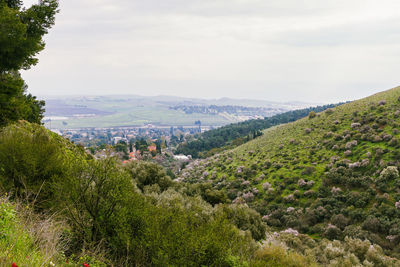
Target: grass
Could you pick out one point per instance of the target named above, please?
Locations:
(17, 244)
(32, 240)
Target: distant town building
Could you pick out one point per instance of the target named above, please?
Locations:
(152, 148)
(182, 157)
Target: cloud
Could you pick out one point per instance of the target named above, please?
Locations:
(279, 50)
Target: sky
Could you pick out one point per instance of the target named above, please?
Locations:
(281, 50)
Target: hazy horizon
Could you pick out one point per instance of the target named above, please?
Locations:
(282, 51)
(57, 96)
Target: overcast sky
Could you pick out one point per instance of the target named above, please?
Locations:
(282, 50)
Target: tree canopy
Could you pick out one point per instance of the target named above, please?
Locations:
(21, 39)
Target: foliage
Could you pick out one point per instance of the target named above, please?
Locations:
(21, 39)
(97, 192)
(349, 252)
(185, 231)
(334, 175)
(279, 256)
(245, 219)
(107, 215)
(147, 174)
(30, 158)
(17, 243)
(28, 26)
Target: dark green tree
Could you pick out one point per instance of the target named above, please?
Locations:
(21, 39)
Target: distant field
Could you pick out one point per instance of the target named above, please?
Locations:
(139, 116)
(114, 111)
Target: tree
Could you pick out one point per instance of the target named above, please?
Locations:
(95, 193)
(21, 39)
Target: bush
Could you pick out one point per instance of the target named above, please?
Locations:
(340, 221)
(274, 255)
(244, 218)
(372, 224)
(312, 115)
(389, 173)
(332, 232)
(95, 200)
(31, 158)
(147, 173)
(183, 231)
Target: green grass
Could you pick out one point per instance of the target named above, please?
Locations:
(16, 245)
(30, 240)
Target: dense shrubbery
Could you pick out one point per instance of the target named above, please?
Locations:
(349, 252)
(332, 175)
(129, 215)
(135, 215)
(32, 158)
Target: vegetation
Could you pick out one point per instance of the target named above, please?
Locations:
(331, 175)
(128, 215)
(215, 110)
(16, 244)
(233, 135)
(21, 34)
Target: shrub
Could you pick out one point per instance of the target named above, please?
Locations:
(340, 221)
(273, 255)
(312, 115)
(147, 173)
(329, 111)
(372, 224)
(332, 232)
(266, 186)
(245, 219)
(214, 197)
(308, 170)
(355, 125)
(389, 173)
(32, 158)
(348, 153)
(182, 231)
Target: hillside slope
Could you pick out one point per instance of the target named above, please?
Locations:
(332, 174)
(235, 134)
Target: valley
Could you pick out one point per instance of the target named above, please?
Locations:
(137, 111)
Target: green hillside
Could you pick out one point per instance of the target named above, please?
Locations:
(332, 174)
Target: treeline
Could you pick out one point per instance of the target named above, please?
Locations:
(214, 109)
(235, 134)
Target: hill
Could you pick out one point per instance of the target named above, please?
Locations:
(333, 174)
(235, 134)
